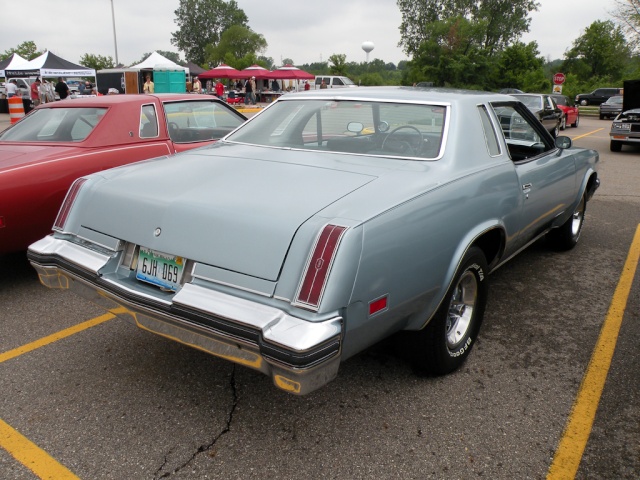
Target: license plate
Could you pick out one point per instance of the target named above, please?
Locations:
(160, 269)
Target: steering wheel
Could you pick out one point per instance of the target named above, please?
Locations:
(403, 145)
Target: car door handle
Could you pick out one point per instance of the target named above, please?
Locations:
(526, 188)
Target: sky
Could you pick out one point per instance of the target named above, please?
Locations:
(305, 32)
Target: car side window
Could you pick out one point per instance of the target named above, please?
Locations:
(490, 135)
(148, 121)
(337, 81)
(524, 135)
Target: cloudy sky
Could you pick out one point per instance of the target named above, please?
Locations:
(303, 31)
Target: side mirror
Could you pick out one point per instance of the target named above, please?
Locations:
(563, 142)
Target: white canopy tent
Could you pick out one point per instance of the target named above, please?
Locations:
(155, 61)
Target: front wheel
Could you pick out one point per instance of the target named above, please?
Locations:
(563, 123)
(566, 236)
(444, 344)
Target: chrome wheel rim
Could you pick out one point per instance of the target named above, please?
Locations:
(578, 216)
(461, 308)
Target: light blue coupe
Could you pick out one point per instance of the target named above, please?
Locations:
(326, 223)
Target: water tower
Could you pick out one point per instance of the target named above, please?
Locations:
(367, 47)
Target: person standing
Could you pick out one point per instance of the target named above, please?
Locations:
(62, 89)
(35, 92)
(253, 90)
(219, 89)
(197, 86)
(248, 90)
(148, 87)
(12, 88)
(307, 86)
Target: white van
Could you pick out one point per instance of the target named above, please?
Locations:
(333, 81)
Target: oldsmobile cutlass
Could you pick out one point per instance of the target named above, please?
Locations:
(326, 223)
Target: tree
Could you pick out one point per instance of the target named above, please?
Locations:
(97, 62)
(601, 51)
(266, 62)
(338, 64)
(497, 23)
(627, 13)
(26, 50)
(287, 61)
(518, 64)
(201, 23)
(237, 41)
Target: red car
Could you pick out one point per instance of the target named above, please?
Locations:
(42, 154)
(571, 113)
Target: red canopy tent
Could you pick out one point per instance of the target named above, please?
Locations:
(289, 72)
(254, 71)
(221, 71)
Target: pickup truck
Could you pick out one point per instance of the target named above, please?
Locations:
(24, 86)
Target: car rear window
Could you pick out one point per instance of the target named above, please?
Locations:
(55, 125)
(349, 126)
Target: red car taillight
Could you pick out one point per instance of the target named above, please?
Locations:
(318, 266)
(61, 219)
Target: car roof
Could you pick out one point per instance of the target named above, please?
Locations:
(110, 100)
(403, 94)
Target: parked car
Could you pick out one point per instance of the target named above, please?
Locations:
(41, 155)
(333, 81)
(324, 224)
(571, 113)
(544, 108)
(611, 108)
(596, 97)
(625, 128)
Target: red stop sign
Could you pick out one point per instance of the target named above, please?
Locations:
(558, 79)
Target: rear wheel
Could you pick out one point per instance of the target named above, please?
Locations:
(566, 236)
(445, 343)
(615, 146)
(575, 124)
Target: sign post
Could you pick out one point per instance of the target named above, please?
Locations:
(558, 80)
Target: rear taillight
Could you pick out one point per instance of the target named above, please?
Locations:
(61, 219)
(316, 272)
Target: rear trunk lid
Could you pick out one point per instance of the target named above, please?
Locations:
(238, 214)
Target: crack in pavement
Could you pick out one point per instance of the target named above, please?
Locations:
(206, 447)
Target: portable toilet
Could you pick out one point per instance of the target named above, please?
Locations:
(170, 81)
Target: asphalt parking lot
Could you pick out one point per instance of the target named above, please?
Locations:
(551, 389)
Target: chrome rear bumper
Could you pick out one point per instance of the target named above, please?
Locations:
(300, 356)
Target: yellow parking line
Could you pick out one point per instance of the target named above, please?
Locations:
(55, 337)
(32, 456)
(21, 448)
(576, 434)
(587, 134)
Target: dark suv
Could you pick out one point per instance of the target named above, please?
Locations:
(598, 96)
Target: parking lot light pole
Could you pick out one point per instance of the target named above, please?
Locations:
(115, 42)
